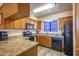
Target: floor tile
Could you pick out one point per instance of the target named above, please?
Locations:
(44, 51)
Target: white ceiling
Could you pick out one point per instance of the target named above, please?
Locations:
(60, 7)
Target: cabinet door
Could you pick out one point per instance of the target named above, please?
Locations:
(41, 40)
(39, 25)
(8, 24)
(1, 21)
(24, 9)
(1, 26)
(48, 42)
(45, 41)
(9, 9)
(24, 21)
(18, 24)
(68, 19)
(61, 23)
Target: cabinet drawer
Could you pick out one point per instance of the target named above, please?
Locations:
(77, 52)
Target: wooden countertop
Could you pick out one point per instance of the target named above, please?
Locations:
(13, 47)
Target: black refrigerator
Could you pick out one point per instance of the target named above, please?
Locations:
(68, 38)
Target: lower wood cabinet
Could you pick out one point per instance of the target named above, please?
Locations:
(30, 52)
(45, 41)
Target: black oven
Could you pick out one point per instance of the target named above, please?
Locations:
(28, 34)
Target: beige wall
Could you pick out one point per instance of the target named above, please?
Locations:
(56, 16)
(15, 33)
(32, 15)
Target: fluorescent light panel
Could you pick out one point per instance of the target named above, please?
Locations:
(44, 7)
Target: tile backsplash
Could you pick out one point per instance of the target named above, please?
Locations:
(17, 32)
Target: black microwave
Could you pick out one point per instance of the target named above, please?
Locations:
(29, 26)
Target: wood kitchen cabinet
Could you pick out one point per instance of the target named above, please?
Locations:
(61, 23)
(38, 25)
(18, 24)
(24, 21)
(9, 24)
(13, 14)
(1, 26)
(77, 28)
(15, 24)
(45, 41)
(68, 19)
(15, 10)
(63, 20)
(8, 9)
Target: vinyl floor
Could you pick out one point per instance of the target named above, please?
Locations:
(44, 51)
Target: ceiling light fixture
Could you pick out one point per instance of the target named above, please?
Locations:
(44, 7)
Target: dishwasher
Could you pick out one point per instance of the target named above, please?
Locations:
(57, 44)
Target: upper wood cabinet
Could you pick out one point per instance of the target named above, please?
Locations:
(61, 23)
(15, 10)
(9, 24)
(15, 24)
(68, 19)
(13, 14)
(24, 21)
(18, 24)
(63, 20)
(38, 25)
(8, 9)
(1, 26)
